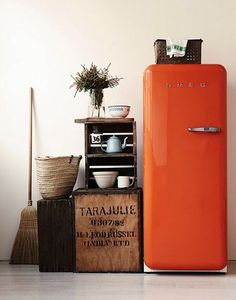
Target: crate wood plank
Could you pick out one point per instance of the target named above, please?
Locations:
(108, 231)
(104, 120)
(86, 144)
(135, 153)
(55, 234)
(99, 145)
(113, 155)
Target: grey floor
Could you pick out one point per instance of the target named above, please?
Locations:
(25, 282)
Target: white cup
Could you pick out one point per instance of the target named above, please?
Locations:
(124, 181)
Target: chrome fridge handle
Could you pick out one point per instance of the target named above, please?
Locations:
(204, 129)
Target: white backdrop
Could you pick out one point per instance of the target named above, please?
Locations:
(44, 42)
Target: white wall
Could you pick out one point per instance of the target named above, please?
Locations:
(43, 42)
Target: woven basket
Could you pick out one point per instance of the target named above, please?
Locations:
(192, 55)
(56, 176)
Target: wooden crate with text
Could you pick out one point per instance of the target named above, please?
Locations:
(108, 230)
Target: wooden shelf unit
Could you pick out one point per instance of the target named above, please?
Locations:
(97, 160)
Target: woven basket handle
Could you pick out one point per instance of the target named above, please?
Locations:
(71, 158)
(80, 157)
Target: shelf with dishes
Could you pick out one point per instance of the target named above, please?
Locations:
(111, 168)
(110, 144)
(110, 152)
(112, 177)
(117, 137)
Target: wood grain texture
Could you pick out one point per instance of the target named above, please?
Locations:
(108, 232)
(30, 147)
(55, 233)
(104, 120)
(135, 153)
(86, 147)
(110, 155)
(97, 160)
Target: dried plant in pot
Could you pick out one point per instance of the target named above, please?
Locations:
(94, 81)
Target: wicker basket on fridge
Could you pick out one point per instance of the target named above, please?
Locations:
(56, 176)
(192, 55)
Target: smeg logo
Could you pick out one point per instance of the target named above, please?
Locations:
(185, 85)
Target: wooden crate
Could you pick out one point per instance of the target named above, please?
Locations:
(108, 230)
(124, 162)
(55, 234)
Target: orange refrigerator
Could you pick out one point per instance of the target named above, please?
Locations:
(185, 184)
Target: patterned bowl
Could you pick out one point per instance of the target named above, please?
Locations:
(119, 111)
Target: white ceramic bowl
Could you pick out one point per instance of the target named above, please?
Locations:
(105, 179)
(119, 111)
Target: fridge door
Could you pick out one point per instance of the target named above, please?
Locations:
(185, 167)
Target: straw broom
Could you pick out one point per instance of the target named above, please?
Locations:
(25, 248)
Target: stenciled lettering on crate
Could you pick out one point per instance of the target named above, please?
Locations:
(108, 233)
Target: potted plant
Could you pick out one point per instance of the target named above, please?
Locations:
(94, 80)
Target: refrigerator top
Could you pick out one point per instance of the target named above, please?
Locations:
(185, 68)
(184, 77)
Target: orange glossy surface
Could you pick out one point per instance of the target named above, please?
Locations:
(184, 172)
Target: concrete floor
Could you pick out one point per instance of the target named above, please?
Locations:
(25, 282)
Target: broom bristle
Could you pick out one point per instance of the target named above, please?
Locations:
(25, 248)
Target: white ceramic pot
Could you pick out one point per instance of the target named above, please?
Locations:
(105, 179)
(119, 111)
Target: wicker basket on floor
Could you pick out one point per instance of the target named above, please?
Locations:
(56, 176)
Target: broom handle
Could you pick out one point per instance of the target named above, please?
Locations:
(30, 150)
